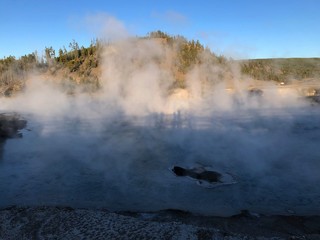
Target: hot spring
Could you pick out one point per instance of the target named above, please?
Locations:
(121, 162)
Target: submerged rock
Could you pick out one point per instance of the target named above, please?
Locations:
(199, 174)
(205, 176)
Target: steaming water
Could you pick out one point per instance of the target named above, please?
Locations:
(122, 163)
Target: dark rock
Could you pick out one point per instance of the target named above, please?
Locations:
(10, 124)
(315, 98)
(210, 176)
(255, 92)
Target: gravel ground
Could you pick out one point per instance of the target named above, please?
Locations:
(68, 223)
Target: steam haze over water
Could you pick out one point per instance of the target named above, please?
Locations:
(113, 149)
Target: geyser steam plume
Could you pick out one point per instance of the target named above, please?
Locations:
(113, 148)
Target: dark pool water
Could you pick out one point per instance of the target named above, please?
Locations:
(122, 163)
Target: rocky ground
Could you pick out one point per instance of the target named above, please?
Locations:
(69, 223)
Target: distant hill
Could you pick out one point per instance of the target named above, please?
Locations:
(281, 69)
(80, 68)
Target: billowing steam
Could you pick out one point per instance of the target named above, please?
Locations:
(113, 148)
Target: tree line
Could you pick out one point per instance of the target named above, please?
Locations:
(79, 65)
(80, 60)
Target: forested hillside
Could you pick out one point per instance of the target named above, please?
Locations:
(81, 67)
(282, 69)
(76, 65)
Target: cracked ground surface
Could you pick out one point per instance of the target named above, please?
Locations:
(69, 223)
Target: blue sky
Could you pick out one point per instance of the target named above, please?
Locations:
(236, 28)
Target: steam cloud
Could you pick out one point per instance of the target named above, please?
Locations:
(112, 149)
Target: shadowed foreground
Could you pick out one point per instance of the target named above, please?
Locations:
(69, 223)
